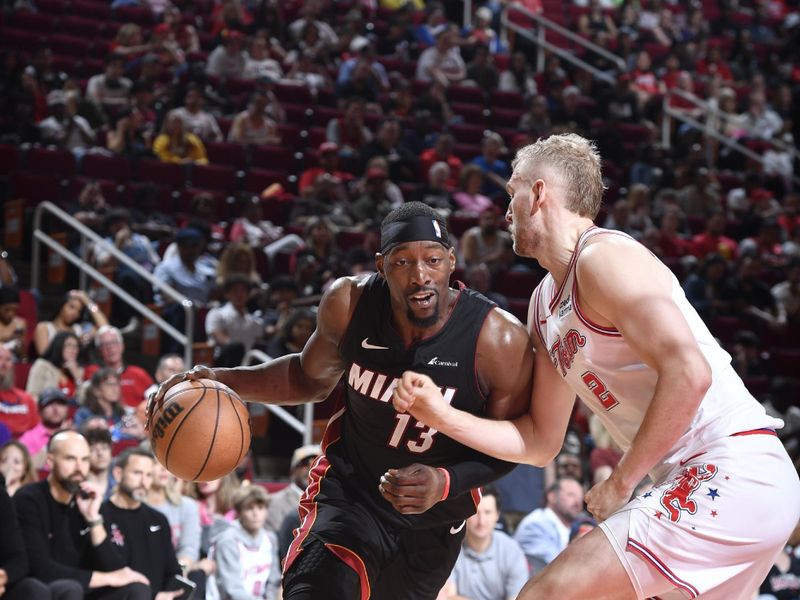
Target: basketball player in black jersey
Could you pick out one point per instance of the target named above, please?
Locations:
(383, 514)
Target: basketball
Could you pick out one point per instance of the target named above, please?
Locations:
(201, 430)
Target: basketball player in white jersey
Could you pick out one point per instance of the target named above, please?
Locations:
(610, 324)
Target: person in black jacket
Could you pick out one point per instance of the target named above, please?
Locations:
(141, 534)
(63, 530)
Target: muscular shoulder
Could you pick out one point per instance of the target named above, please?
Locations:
(502, 336)
(338, 304)
(614, 258)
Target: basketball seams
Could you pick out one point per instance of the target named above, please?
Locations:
(213, 438)
(241, 427)
(180, 424)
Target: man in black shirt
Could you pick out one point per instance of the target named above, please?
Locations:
(383, 515)
(63, 529)
(141, 534)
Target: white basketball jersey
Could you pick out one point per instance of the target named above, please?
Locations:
(617, 385)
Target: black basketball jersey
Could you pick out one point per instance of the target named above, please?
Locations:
(374, 436)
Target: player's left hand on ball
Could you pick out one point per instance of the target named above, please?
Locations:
(419, 395)
(605, 498)
(198, 372)
(414, 489)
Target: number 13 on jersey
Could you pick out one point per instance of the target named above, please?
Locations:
(424, 440)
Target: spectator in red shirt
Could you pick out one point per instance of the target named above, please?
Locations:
(714, 240)
(328, 163)
(442, 151)
(132, 379)
(713, 63)
(18, 409)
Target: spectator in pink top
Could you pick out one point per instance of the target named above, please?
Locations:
(469, 197)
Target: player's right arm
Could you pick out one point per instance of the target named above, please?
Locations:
(307, 376)
(533, 438)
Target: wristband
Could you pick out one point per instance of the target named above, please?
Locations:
(446, 474)
(95, 522)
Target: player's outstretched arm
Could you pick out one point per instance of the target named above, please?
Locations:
(622, 284)
(525, 426)
(308, 376)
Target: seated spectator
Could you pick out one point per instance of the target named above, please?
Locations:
(258, 233)
(672, 239)
(310, 15)
(595, 20)
(294, 334)
(481, 70)
(281, 295)
(570, 114)
(496, 170)
(215, 501)
(713, 239)
(328, 158)
(362, 75)
(485, 242)
(52, 515)
(753, 297)
(469, 198)
(110, 90)
(227, 60)
(748, 357)
(246, 555)
(58, 367)
(760, 120)
(165, 495)
(70, 317)
(168, 365)
(231, 328)
(482, 34)
(12, 326)
(142, 534)
(131, 135)
(710, 291)
(491, 565)
(766, 244)
(129, 43)
(16, 467)
(348, 132)
(286, 501)
(544, 533)
(479, 278)
(103, 399)
(64, 128)
(237, 259)
(387, 143)
(618, 219)
(536, 121)
(91, 206)
(253, 126)
(435, 192)
(184, 270)
(259, 63)
(442, 151)
(518, 77)
(185, 33)
(442, 61)
(307, 71)
(133, 380)
(176, 145)
(620, 103)
(433, 105)
(100, 473)
(787, 292)
(195, 118)
(53, 415)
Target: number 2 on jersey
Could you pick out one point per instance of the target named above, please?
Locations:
(598, 388)
(421, 444)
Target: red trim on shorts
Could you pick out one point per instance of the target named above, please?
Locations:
(762, 431)
(308, 505)
(354, 561)
(476, 496)
(642, 551)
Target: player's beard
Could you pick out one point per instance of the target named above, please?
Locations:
(424, 322)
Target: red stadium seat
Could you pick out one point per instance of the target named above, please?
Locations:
(162, 173)
(226, 153)
(215, 177)
(106, 167)
(257, 180)
(517, 284)
(51, 162)
(274, 158)
(9, 159)
(30, 21)
(69, 45)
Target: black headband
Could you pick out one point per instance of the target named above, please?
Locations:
(413, 229)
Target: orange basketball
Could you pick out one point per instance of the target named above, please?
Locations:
(201, 430)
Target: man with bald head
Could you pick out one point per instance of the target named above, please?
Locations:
(65, 540)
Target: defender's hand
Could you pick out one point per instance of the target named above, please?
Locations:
(419, 395)
(414, 489)
(198, 372)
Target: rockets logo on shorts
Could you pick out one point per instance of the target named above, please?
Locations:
(678, 497)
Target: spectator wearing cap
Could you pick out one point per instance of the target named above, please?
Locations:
(544, 533)
(231, 328)
(442, 61)
(176, 145)
(12, 326)
(53, 415)
(228, 60)
(328, 159)
(110, 90)
(133, 380)
(246, 554)
(65, 128)
(196, 120)
(285, 501)
(491, 565)
(253, 126)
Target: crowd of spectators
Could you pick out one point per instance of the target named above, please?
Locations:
(245, 152)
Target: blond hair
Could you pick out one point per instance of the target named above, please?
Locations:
(575, 161)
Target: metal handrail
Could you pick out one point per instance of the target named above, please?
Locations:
(304, 427)
(85, 269)
(540, 39)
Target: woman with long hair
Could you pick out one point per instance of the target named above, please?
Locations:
(16, 465)
(58, 367)
(176, 145)
(68, 317)
(103, 399)
(294, 334)
(238, 257)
